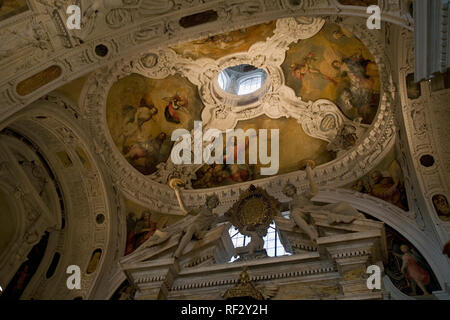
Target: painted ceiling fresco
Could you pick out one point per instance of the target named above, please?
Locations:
(142, 223)
(335, 65)
(292, 138)
(224, 44)
(441, 206)
(142, 113)
(385, 182)
(9, 8)
(407, 268)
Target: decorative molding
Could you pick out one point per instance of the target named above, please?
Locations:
(351, 165)
(55, 128)
(423, 126)
(128, 29)
(33, 215)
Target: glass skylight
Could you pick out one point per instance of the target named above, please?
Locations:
(242, 79)
(250, 85)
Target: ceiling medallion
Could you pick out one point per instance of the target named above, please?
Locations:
(254, 211)
(241, 85)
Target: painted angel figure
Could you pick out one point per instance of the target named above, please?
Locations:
(306, 69)
(302, 207)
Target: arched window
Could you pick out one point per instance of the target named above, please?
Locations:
(272, 243)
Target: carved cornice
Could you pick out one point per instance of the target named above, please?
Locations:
(316, 268)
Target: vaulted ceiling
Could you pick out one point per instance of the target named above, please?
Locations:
(330, 64)
(103, 103)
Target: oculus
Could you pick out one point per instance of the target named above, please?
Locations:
(242, 79)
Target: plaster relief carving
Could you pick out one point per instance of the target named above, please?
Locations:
(140, 14)
(320, 118)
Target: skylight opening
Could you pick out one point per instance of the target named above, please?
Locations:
(242, 79)
(250, 85)
(223, 81)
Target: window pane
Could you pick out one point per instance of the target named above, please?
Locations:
(223, 83)
(272, 243)
(250, 85)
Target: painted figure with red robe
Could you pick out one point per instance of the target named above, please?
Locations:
(175, 104)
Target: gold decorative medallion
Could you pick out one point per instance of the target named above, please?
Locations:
(254, 210)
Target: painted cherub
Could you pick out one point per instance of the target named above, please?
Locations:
(144, 113)
(300, 71)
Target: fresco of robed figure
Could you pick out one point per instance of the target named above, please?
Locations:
(335, 65)
(385, 182)
(407, 268)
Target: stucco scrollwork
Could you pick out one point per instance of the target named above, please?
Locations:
(152, 23)
(223, 111)
(351, 164)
